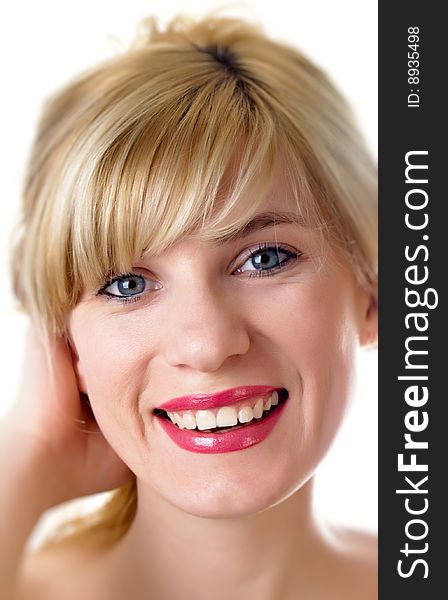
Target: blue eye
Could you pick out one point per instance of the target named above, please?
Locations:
(124, 288)
(266, 260)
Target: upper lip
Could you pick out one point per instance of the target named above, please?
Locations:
(216, 399)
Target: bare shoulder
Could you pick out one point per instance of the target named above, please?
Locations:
(362, 544)
(356, 556)
(66, 570)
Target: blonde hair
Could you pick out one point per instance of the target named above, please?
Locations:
(136, 153)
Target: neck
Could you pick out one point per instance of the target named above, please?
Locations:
(170, 553)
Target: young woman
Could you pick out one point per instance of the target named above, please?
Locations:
(197, 254)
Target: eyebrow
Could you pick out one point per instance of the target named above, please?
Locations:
(263, 221)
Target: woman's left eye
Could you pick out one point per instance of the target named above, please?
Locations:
(266, 260)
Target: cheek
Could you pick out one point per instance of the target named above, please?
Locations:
(106, 361)
(315, 333)
(114, 368)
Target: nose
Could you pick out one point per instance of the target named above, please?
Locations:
(205, 329)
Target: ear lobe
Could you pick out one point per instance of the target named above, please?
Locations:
(77, 367)
(368, 333)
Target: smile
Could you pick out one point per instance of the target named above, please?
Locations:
(226, 429)
(226, 416)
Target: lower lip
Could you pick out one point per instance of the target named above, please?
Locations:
(217, 443)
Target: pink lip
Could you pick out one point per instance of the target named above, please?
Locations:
(217, 443)
(217, 399)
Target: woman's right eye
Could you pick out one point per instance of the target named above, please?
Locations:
(125, 288)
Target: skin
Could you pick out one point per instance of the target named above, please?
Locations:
(241, 520)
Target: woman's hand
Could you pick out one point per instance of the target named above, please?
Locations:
(54, 420)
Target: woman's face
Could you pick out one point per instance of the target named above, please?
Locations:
(201, 324)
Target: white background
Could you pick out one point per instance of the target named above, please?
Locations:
(43, 44)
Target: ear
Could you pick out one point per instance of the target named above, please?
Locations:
(77, 367)
(368, 324)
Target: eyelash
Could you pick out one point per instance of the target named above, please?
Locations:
(264, 273)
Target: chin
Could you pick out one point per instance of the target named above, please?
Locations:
(225, 497)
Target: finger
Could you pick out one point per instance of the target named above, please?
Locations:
(48, 376)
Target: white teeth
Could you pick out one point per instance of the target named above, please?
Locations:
(258, 408)
(189, 420)
(178, 420)
(226, 417)
(205, 419)
(245, 415)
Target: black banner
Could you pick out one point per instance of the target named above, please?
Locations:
(412, 302)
